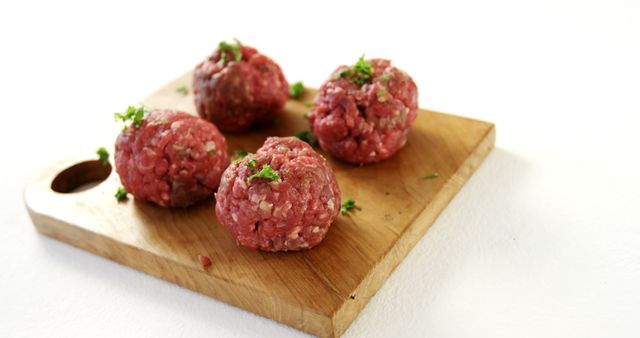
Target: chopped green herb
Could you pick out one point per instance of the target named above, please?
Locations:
(103, 155)
(362, 70)
(307, 136)
(183, 90)
(360, 73)
(226, 47)
(344, 73)
(382, 92)
(212, 152)
(308, 104)
(363, 67)
(251, 164)
(132, 114)
(296, 90)
(349, 204)
(384, 78)
(266, 172)
(121, 194)
(430, 176)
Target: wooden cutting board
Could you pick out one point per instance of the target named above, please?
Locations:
(319, 291)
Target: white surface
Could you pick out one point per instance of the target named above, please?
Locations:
(543, 241)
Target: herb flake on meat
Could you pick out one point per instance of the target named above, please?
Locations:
(251, 164)
(296, 90)
(121, 194)
(360, 73)
(344, 73)
(103, 155)
(266, 172)
(363, 67)
(132, 114)
(349, 204)
(381, 94)
(226, 47)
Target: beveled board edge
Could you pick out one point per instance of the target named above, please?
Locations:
(163, 268)
(296, 316)
(347, 313)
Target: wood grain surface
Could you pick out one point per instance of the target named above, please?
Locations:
(319, 291)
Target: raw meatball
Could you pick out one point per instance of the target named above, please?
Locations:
(290, 210)
(237, 88)
(364, 119)
(173, 158)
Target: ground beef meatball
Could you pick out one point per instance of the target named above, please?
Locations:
(173, 158)
(237, 88)
(362, 114)
(283, 197)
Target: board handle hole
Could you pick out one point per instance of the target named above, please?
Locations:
(80, 177)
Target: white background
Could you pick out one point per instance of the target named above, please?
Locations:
(544, 240)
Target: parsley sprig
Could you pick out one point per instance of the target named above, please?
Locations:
(121, 194)
(266, 172)
(226, 47)
(103, 155)
(360, 73)
(363, 68)
(349, 204)
(296, 90)
(133, 114)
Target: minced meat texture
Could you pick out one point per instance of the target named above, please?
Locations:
(290, 212)
(236, 95)
(365, 123)
(173, 158)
